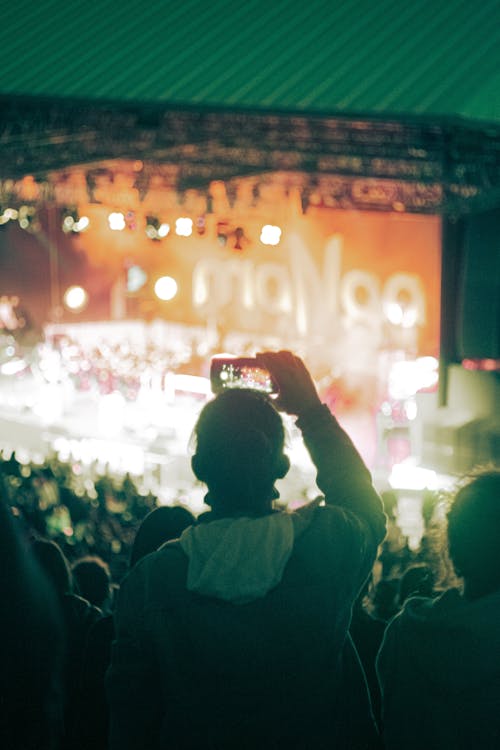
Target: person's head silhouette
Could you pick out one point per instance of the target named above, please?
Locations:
(474, 533)
(239, 452)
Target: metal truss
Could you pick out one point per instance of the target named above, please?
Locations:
(449, 166)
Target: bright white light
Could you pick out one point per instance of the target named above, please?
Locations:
(163, 230)
(116, 221)
(270, 234)
(75, 298)
(192, 384)
(406, 378)
(399, 315)
(82, 224)
(12, 367)
(406, 476)
(394, 314)
(184, 227)
(411, 409)
(166, 288)
(111, 414)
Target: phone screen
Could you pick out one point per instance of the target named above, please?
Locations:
(240, 372)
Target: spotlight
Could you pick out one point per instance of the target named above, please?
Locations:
(75, 298)
(155, 229)
(72, 222)
(26, 217)
(166, 288)
(184, 227)
(8, 214)
(270, 234)
(116, 221)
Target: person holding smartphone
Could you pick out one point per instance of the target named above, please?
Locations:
(235, 636)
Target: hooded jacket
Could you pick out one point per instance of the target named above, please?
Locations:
(439, 671)
(234, 636)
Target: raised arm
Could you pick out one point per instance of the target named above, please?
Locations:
(342, 475)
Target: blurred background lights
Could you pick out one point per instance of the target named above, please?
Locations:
(407, 377)
(270, 234)
(75, 298)
(26, 217)
(184, 226)
(166, 288)
(401, 315)
(72, 222)
(116, 221)
(136, 278)
(8, 214)
(155, 229)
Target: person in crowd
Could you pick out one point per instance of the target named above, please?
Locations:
(160, 525)
(93, 580)
(235, 636)
(31, 646)
(78, 616)
(439, 663)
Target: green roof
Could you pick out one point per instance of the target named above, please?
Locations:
(386, 59)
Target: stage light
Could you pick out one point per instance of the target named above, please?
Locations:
(155, 229)
(116, 221)
(27, 218)
(136, 278)
(270, 234)
(166, 288)
(75, 298)
(8, 214)
(401, 315)
(184, 227)
(72, 222)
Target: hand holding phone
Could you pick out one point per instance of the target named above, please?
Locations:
(296, 389)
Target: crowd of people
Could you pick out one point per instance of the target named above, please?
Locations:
(128, 624)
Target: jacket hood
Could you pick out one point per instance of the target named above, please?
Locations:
(453, 642)
(239, 559)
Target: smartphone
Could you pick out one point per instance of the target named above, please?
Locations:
(240, 372)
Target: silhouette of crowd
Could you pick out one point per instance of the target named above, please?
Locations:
(129, 624)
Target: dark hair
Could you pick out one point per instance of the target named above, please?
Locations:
(93, 579)
(474, 528)
(51, 559)
(160, 525)
(239, 449)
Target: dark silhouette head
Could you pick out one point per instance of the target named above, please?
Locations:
(239, 452)
(51, 559)
(160, 525)
(474, 533)
(92, 578)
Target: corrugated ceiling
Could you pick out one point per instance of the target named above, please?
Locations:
(387, 58)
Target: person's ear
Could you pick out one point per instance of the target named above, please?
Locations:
(282, 466)
(197, 467)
